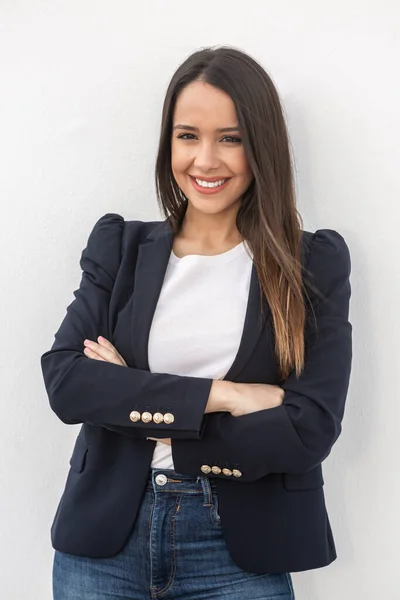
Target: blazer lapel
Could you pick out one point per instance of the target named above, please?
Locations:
(253, 325)
(152, 262)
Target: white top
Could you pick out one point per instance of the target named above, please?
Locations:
(198, 321)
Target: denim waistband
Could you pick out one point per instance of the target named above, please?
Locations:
(169, 481)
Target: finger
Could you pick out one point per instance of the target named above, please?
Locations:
(106, 344)
(103, 352)
(91, 354)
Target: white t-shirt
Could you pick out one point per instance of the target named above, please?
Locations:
(198, 321)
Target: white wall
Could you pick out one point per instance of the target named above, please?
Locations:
(82, 88)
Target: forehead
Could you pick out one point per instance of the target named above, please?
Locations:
(201, 105)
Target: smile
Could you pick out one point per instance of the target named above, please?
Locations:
(210, 183)
(208, 187)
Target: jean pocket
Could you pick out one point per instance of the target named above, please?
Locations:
(214, 513)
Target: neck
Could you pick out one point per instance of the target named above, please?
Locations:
(210, 230)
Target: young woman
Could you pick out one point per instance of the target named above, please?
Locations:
(208, 358)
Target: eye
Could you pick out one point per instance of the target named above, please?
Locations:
(182, 136)
(232, 140)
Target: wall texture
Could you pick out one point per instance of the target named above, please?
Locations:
(82, 87)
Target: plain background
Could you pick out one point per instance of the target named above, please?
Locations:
(82, 88)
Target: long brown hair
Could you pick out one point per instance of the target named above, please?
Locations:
(267, 218)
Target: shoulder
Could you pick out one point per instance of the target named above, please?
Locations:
(113, 224)
(328, 259)
(112, 228)
(108, 237)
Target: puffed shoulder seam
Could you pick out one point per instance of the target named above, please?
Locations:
(109, 219)
(329, 237)
(329, 263)
(104, 244)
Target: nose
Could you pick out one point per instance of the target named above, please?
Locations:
(206, 157)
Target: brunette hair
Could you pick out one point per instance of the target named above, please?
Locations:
(267, 218)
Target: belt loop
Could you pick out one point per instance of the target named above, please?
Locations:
(206, 485)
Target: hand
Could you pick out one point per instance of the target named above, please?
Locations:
(166, 441)
(103, 350)
(252, 397)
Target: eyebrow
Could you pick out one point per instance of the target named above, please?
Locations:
(190, 128)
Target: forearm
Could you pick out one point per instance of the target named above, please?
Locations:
(223, 396)
(84, 390)
(257, 444)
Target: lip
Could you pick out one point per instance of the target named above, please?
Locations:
(209, 179)
(209, 191)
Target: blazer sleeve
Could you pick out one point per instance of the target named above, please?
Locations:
(84, 390)
(298, 435)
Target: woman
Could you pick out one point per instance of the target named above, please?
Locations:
(208, 357)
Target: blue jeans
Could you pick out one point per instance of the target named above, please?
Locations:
(175, 551)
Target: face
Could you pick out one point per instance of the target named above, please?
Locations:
(208, 159)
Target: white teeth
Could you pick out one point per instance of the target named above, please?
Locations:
(210, 184)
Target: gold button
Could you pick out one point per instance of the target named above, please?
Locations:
(236, 473)
(227, 472)
(147, 417)
(158, 418)
(216, 470)
(169, 418)
(206, 469)
(134, 416)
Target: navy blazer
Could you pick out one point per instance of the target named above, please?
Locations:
(273, 517)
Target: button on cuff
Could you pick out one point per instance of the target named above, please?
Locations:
(169, 418)
(134, 416)
(147, 417)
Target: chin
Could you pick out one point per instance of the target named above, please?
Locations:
(210, 206)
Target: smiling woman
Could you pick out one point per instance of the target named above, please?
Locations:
(205, 160)
(208, 358)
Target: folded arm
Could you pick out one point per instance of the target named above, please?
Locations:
(298, 435)
(82, 390)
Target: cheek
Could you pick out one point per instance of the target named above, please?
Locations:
(246, 175)
(179, 161)
(240, 164)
